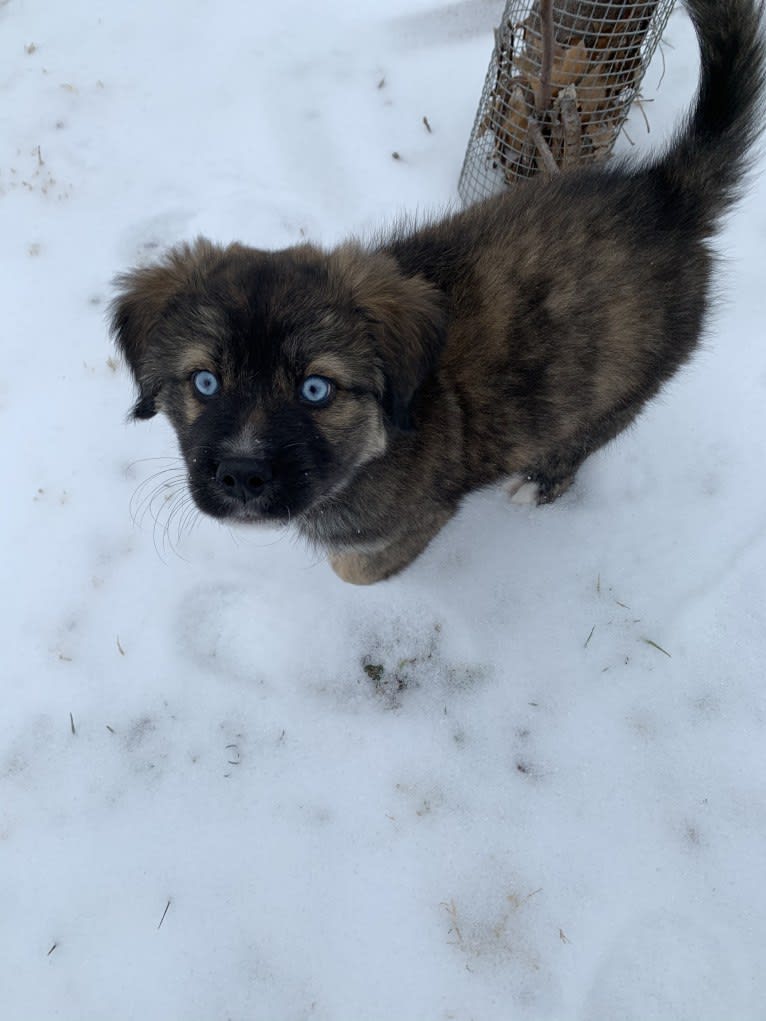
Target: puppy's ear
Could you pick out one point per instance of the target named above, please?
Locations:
(143, 299)
(406, 316)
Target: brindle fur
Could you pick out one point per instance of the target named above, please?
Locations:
(514, 338)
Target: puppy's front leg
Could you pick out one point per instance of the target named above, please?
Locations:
(367, 568)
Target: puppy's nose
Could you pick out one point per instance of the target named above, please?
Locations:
(243, 477)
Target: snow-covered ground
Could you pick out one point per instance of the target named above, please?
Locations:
(523, 809)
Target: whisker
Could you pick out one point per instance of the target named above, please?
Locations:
(164, 496)
(188, 513)
(145, 460)
(144, 498)
(178, 507)
(145, 495)
(233, 536)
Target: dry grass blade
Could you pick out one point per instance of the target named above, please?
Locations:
(451, 909)
(167, 908)
(659, 648)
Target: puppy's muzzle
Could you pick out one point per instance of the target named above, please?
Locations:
(244, 478)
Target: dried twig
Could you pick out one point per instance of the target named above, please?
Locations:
(543, 148)
(546, 26)
(570, 122)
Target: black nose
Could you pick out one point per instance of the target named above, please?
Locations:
(243, 477)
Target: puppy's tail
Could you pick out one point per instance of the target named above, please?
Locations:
(703, 168)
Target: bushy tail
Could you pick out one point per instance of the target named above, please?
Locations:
(707, 160)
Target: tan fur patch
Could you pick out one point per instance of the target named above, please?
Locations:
(361, 419)
(195, 357)
(332, 366)
(192, 408)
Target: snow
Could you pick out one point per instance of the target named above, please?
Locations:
(209, 809)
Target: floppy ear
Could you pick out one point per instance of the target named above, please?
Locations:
(407, 318)
(144, 297)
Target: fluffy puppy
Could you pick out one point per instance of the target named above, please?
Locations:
(360, 393)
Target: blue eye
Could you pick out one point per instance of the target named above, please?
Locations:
(206, 383)
(316, 390)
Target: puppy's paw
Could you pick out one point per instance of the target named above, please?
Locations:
(367, 568)
(522, 490)
(549, 490)
(355, 568)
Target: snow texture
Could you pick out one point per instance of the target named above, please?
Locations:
(525, 779)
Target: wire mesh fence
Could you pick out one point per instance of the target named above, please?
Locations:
(561, 80)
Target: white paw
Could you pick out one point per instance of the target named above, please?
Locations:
(521, 490)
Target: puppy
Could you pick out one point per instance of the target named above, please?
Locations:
(359, 394)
